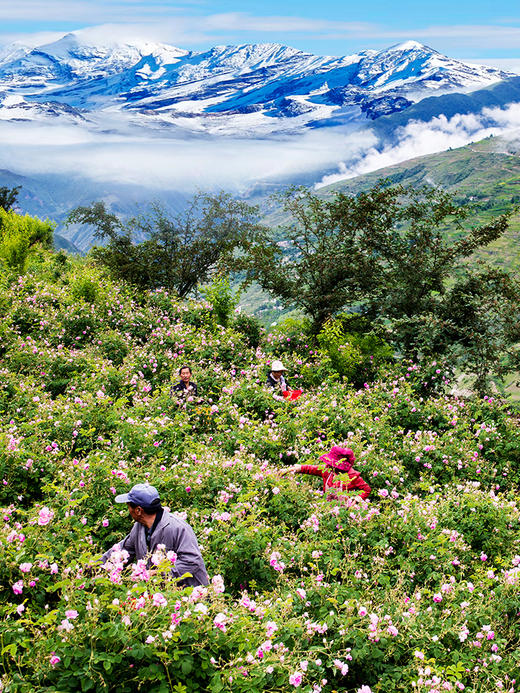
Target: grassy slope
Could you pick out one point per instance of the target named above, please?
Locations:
(485, 175)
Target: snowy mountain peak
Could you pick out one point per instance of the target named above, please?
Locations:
(410, 46)
(73, 57)
(248, 56)
(261, 88)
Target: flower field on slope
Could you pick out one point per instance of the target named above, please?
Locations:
(417, 589)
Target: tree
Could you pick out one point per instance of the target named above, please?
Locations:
(179, 251)
(385, 253)
(18, 234)
(481, 324)
(316, 261)
(404, 259)
(8, 197)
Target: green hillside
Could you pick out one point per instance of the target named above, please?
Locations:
(416, 588)
(484, 175)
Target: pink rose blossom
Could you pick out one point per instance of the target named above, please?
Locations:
(159, 600)
(45, 516)
(270, 628)
(296, 679)
(217, 583)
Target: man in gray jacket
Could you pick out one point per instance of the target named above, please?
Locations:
(154, 525)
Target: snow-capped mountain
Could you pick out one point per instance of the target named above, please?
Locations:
(229, 90)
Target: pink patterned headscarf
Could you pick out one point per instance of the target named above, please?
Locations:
(339, 458)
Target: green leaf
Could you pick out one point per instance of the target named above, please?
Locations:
(187, 666)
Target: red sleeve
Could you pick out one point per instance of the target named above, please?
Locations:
(311, 469)
(357, 484)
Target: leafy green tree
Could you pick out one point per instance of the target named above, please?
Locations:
(480, 324)
(316, 261)
(402, 258)
(384, 252)
(179, 251)
(8, 197)
(18, 234)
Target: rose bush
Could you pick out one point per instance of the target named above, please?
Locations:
(417, 588)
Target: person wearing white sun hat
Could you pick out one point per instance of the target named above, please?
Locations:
(276, 379)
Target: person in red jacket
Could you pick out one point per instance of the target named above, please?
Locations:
(337, 461)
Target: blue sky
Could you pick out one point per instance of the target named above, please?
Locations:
(470, 29)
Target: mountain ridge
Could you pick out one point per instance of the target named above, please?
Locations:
(227, 89)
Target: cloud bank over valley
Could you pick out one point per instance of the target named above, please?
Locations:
(419, 139)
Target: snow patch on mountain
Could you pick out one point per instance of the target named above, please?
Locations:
(262, 89)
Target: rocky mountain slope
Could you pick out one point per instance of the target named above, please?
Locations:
(227, 90)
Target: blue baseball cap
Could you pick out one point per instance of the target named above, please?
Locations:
(140, 494)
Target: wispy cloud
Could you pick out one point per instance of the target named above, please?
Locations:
(189, 24)
(184, 165)
(166, 163)
(418, 139)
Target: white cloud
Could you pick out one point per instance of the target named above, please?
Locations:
(165, 163)
(507, 64)
(419, 139)
(189, 24)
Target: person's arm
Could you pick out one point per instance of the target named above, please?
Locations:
(296, 468)
(128, 544)
(358, 484)
(312, 469)
(303, 469)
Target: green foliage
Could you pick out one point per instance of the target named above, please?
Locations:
(386, 253)
(8, 197)
(250, 327)
(222, 299)
(178, 252)
(481, 324)
(113, 347)
(85, 289)
(18, 234)
(61, 372)
(356, 356)
(411, 579)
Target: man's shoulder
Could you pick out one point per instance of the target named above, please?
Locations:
(170, 520)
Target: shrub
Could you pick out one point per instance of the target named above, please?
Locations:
(356, 356)
(85, 289)
(222, 299)
(113, 347)
(18, 234)
(250, 327)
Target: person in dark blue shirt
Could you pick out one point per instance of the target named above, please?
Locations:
(184, 387)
